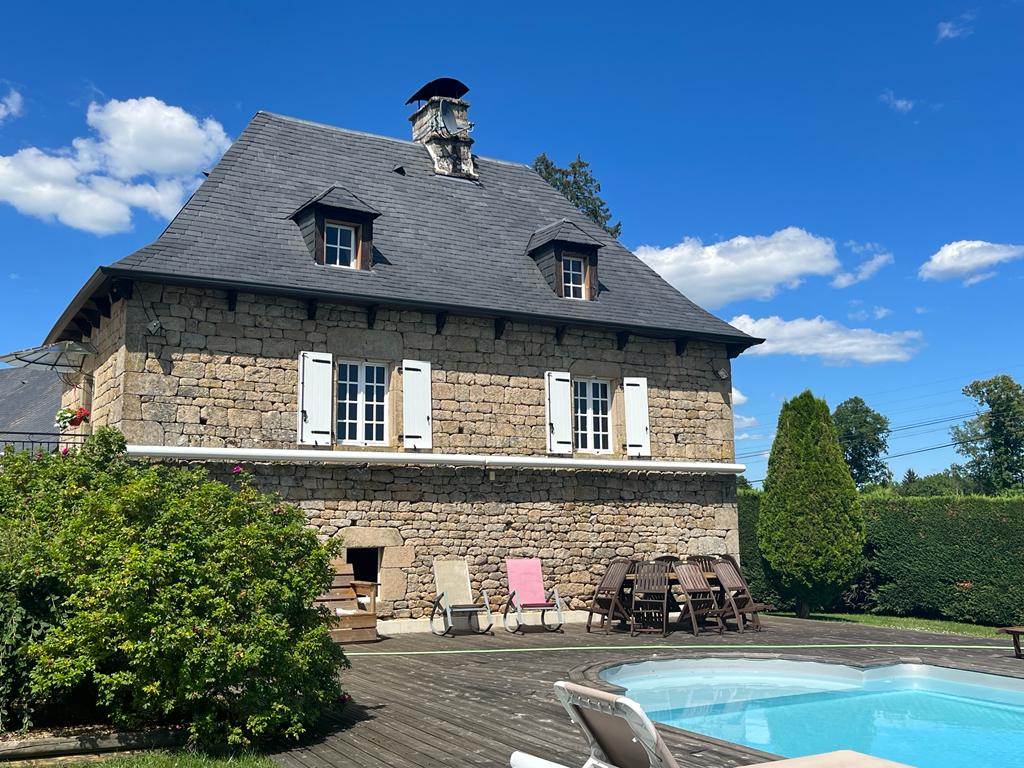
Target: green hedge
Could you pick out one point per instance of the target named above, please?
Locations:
(948, 557)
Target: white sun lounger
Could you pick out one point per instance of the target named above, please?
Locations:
(620, 735)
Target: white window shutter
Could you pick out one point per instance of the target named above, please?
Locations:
(638, 420)
(559, 411)
(316, 398)
(417, 403)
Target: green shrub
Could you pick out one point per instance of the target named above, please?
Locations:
(177, 599)
(950, 557)
(754, 566)
(810, 528)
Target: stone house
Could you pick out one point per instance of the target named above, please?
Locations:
(433, 353)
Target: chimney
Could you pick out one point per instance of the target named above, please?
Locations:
(441, 124)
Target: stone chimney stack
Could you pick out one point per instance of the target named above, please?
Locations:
(441, 124)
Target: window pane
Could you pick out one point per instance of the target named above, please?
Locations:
(344, 258)
(344, 237)
(332, 235)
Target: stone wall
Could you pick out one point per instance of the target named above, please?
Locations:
(574, 521)
(212, 377)
(216, 377)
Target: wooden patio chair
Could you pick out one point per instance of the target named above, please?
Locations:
(666, 559)
(650, 604)
(526, 593)
(737, 602)
(698, 597)
(619, 734)
(455, 598)
(607, 599)
(704, 561)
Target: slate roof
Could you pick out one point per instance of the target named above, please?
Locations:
(29, 399)
(443, 242)
(336, 196)
(563, 231)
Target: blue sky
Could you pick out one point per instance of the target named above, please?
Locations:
(845, 178)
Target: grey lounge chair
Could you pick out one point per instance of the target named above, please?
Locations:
(455, 598)
(620, 735)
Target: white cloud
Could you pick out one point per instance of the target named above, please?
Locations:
(738, 398)
(834, 343)
(864, 271)
(954, 28)
(895, 103)
(921, 310)
(881, 312)
(145, 155)
(11, 105)
(969, 260)
(743, 267)
(742, 422)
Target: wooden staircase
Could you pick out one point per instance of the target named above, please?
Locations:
(353, 604)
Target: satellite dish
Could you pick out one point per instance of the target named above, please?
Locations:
(451, 125)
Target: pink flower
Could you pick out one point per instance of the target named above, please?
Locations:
(236, 470)
(64, 451)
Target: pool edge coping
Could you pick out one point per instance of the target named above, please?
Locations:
(589, 673)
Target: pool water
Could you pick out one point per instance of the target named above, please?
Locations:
(921, 715)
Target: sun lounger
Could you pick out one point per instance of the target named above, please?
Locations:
(526, 593)
(455, 598)
(620, 735)
(697, 600)
(737, 602)
(607, 599)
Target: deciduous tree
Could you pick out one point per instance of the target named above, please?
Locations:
(993, 441)
(863, 433)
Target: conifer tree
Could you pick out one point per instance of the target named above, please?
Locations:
(810, 528)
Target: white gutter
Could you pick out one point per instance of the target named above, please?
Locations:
(300, 456)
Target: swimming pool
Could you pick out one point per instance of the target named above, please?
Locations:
(922, 715)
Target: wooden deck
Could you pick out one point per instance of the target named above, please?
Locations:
(422, 701)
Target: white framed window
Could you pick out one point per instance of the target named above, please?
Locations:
(362, 403)
(339, 245)
(573, 270)
(591, 409)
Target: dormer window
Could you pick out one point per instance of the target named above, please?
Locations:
(573, 271)
(340, 245)
(337, 228)
(567, 258)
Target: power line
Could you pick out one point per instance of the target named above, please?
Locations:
(901, 428)
(916, 385)
(911, 453)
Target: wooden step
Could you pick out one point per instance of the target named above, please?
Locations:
(360, 620)
(345, 636)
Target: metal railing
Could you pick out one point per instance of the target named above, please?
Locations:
(39, 441)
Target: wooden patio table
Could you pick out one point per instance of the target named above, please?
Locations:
(1015, 633)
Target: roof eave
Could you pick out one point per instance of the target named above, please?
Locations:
(92, 286)
(741, 342)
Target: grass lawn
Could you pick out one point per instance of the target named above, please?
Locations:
(906, 622)
(163, 759)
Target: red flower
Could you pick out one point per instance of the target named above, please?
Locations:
(236, 470)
